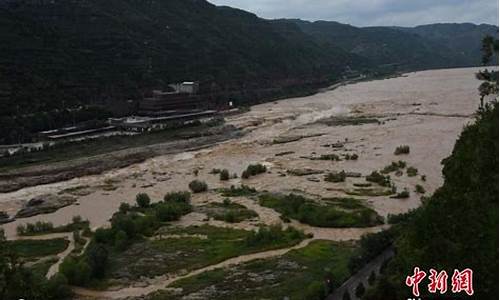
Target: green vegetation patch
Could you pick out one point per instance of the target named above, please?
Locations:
(403, 149)
(228, 211)
(240, 191)
(393, 167)
(369, 192)
(168, 254)
(37, 248)
(326, 214)
(39, 228)
(378, 178)
(299, 274)
(253, 170)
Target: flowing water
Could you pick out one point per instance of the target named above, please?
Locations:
(425, 110)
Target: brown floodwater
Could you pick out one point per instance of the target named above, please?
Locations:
(425, 110)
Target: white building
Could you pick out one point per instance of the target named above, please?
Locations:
(188, 87)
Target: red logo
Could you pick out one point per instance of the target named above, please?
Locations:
(460, 281)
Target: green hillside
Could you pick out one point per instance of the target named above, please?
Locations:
(65, 62)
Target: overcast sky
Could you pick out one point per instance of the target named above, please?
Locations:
(374, 12)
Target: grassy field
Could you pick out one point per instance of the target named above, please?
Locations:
(194, 248)
(229, 212)
(37, 248)
(339, 212)
(298, 274)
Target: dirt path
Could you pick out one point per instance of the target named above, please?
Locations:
(62, 255)
(162, 282)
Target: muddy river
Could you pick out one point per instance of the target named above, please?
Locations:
(425, 110)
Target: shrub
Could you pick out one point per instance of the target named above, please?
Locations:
(77, 271)
(360, 290)
(353, 156)
(125, 223)
(124, 208)
(184, 197)
(120, 242)
(197, 186)
(253, 170)
(226, 202)
(243, 190)
(224, 175)
(412, 172)
(34, 228)
(419, 189)
(229, 217)
(400, 218)
(423, 178)
(372, 278)
(103, 235)
(143, 200)
(393, 167)
(215, 171)
(378, 178)
(171, 211)
(333, 157)
(336, 177)
(77, 219)
(403, 149)
(272, 234)
(402, 195)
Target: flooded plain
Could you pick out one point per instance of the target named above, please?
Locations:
(424, 110)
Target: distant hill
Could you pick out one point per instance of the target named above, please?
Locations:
(421, 47)
(59, 56)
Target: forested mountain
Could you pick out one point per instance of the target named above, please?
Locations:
(59, 57)
(421, 47)
(84, 51)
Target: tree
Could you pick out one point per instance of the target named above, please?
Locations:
(77, 271)
(120, 240)
(124, 208)
(142, 200)
(489, 78)
(97, 257)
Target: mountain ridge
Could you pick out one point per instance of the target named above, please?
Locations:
(64, 55)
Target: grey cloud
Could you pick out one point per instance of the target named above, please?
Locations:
(374, 12)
